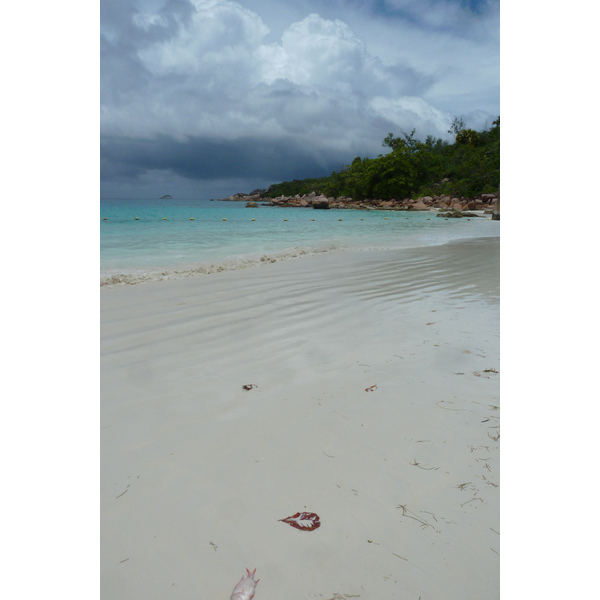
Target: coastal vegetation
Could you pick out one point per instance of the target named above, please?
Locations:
(467, 167)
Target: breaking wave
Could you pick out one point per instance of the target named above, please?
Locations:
(112, 278)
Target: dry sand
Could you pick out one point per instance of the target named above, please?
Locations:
(196, 472)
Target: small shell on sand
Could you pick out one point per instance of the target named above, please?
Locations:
(244, 590)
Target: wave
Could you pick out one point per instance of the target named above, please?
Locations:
(116, 277)
(110, 279)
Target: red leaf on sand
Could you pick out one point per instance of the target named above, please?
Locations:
(304, 521)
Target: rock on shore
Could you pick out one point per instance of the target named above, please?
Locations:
(485, 202)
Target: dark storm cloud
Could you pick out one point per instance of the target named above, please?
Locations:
(212, 89)
(212, 159)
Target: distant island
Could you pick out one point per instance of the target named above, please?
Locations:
(166, 197)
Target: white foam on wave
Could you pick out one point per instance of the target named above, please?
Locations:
(114, 278)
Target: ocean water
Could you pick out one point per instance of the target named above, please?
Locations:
(142, 240)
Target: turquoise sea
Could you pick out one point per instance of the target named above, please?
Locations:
(155, 239)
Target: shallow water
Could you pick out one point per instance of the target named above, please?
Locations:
(153, 239)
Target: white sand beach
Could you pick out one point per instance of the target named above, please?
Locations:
(197, 472)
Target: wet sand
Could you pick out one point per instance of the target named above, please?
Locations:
(197, 472)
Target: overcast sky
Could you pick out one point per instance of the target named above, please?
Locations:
(204, 98)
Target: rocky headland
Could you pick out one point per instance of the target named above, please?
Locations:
(488, 203)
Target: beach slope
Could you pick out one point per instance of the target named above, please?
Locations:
(374, 404)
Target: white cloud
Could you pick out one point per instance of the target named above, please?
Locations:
(206, 78)
(220, 34)
(411, 112)
(321, 50)
(146, 21)
(213, 70)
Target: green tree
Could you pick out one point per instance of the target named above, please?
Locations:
(467, 167)
(457, 125)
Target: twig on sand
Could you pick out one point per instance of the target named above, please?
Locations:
(438, 404)
(430, 513)
(487, 480)
(471, 500)
(479, 448)
(416, 464)
(413, 516)
(402, 557)
(462, 486)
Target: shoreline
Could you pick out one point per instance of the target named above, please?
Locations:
(488, 203)
(197, 473)
(122, 278)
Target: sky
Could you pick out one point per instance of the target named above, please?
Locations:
(206, 98)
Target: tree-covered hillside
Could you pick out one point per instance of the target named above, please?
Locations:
(468, 167)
